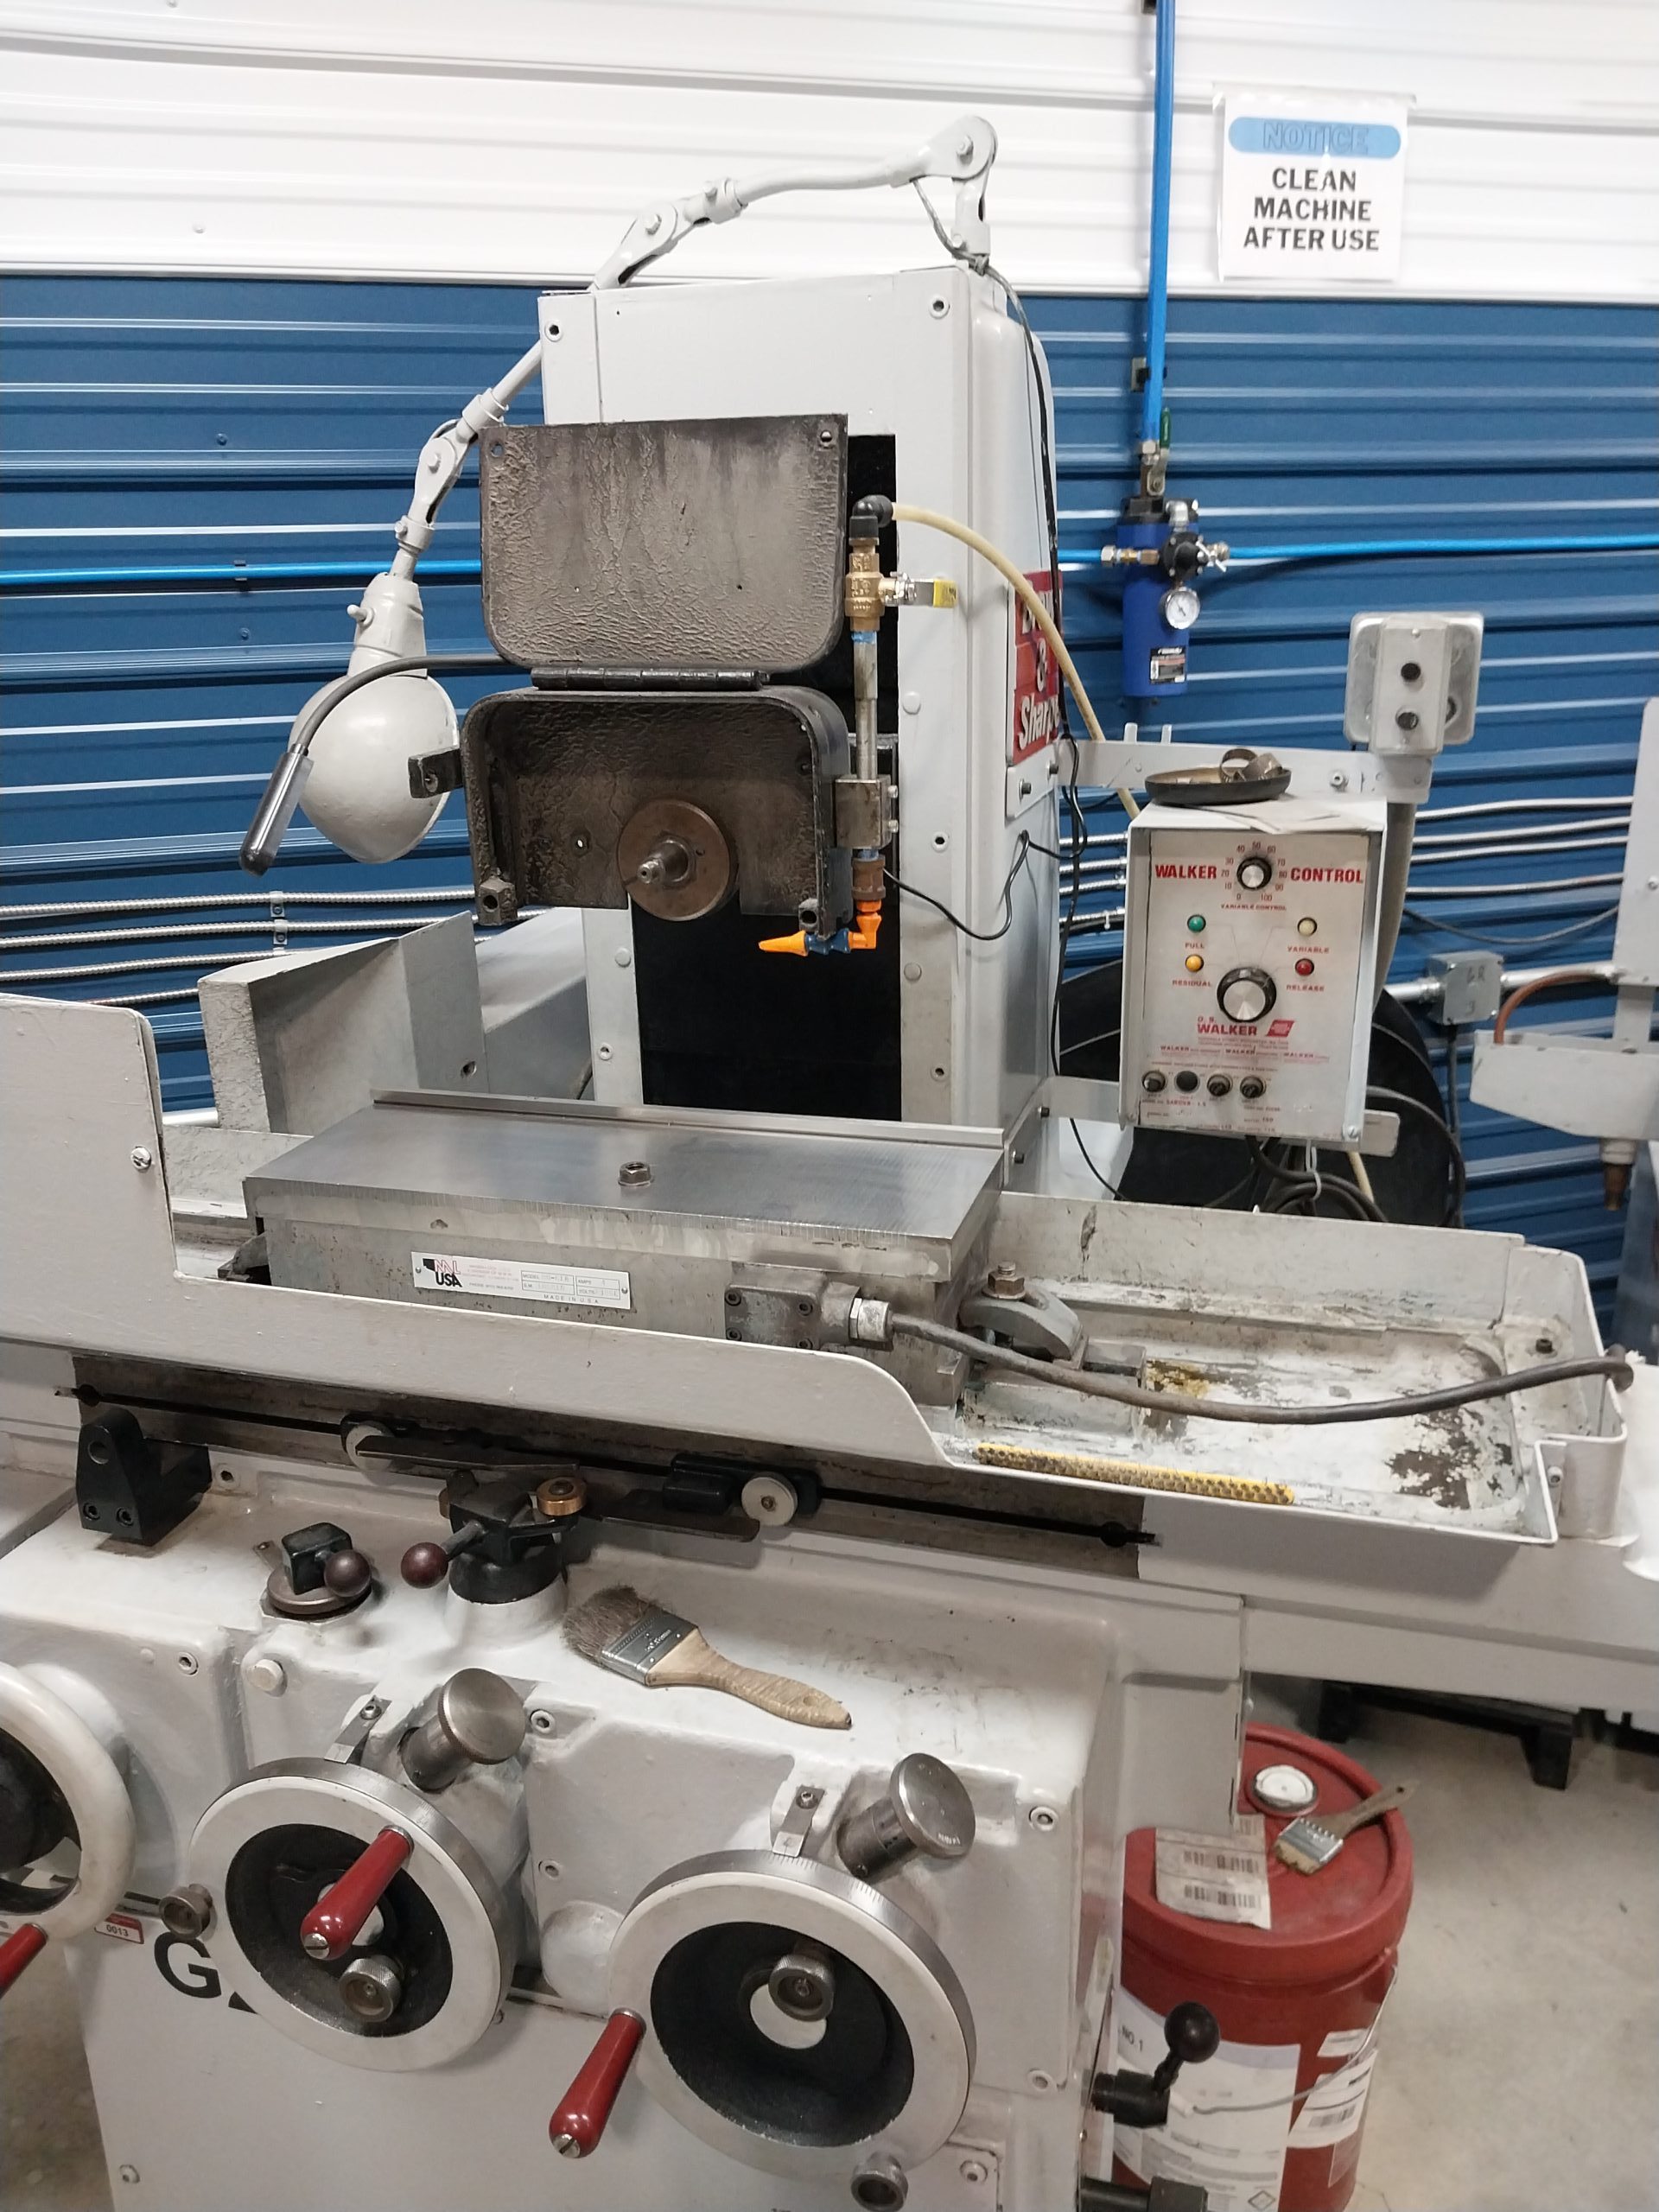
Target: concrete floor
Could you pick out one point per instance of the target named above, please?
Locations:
(1520, 2062)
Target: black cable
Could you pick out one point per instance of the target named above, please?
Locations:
(1402, 1100)
(1508, 944)
(1021, 855)
(1110, 1189)
(1246, 1182)
(1304, 1197)
(1092, 1383)
(1453, 1103)
(1304, 1186)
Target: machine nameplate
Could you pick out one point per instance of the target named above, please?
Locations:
(609, 1288)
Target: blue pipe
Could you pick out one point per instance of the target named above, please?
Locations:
(1163, 134)
(1086, 558)
(239, 572)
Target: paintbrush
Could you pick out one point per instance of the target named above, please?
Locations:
(633, 1636)
(1313, 1841)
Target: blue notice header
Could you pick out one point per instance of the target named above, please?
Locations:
(1307, 135)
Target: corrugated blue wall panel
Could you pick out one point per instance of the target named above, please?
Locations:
(188, 422)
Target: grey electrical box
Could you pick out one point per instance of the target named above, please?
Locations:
(1471, 987)
(1412, 680)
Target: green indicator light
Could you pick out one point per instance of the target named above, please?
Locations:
(1195, 923)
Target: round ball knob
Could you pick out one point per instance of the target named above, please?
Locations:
(1193, 2033)
(347, 1573)
(424, 1566)
(1245, 994)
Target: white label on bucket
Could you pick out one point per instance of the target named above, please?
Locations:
(607, 1288)
(1216, 1877)
(1334, 2108)
(1228, 2118)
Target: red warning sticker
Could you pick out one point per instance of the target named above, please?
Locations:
(123, 1926)
(1036, 676)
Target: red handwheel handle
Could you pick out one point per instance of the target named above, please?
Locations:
(333, 1924)
(579, 2122)
(17, 1952)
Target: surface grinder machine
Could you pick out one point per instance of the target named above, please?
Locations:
(705, 1283)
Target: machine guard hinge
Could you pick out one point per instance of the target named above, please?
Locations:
(647, 679)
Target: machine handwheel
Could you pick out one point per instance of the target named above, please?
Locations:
(96, 1811)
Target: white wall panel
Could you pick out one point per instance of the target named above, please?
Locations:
(516, 138)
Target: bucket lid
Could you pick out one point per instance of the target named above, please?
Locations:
(1324, 1925)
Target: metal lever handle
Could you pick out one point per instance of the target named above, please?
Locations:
(336, 1920)
(17, 1950)
(579, 2120)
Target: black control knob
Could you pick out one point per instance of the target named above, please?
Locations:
(1254, 872)
(1192, 2034)
(321, 1573)
(1246, 993)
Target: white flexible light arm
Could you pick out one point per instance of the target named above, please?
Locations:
(444, 455)
(963, 152)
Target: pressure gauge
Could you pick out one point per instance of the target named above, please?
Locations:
(1180, 606)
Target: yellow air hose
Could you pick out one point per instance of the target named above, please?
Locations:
(1032, 600)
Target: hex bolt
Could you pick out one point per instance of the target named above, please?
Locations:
(1006, 1280)
(633, 1173)
(925, 1809)
(188, 1911)
(479, 1720)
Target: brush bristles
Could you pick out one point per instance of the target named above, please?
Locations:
(605, 1618)
(1289, 1855)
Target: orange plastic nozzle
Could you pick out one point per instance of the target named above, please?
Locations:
(795, 943)
(863, 934)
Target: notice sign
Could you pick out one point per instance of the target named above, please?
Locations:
(1313, 187)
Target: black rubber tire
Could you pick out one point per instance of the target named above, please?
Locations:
(1173, 1169)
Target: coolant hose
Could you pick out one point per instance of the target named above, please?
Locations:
(1613, 1364)
(1031, 599)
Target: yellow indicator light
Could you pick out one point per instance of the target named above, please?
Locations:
(1307, 926)
(1194, 962)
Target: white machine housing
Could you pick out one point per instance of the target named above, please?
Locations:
(1249, 968)
(930, 358)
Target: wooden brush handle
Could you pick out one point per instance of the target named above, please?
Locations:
(1369, 1808)
(694, 1664)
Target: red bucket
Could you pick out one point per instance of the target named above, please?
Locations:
(1273, 2122)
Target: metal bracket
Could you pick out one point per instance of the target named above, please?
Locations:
(1125, 763)
(1582, 1474)
(346, 1750)
(795, 1826)
(432, 772)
